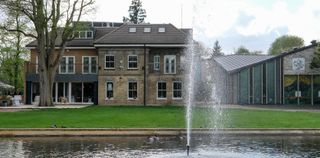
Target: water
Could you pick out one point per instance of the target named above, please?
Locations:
(167, 147)
(190, 94)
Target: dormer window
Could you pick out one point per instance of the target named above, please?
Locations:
(162, 29)
(132, 29)
(83, 34)
(147, 29)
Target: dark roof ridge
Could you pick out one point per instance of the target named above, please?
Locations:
(148, 24)
(97, 40)
(178, 29)
(295, 50)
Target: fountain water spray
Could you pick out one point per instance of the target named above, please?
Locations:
(190, 95)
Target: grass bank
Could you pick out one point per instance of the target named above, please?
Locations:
(154, 117)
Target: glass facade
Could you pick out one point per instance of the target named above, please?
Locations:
(298, 89)
(316, 89)
(257, 84)
(290, 84)
(270, 82)
(304, 89)
(244, 86)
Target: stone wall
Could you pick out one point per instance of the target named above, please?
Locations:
(121, 75)
(307, 54)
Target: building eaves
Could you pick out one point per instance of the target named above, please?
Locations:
(296, 50)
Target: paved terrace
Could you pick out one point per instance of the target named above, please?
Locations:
(31, 107)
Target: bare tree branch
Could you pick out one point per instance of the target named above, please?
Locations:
(18, 30)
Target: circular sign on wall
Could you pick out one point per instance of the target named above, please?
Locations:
(298, 64)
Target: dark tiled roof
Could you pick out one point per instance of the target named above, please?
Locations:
(172, 35)
(234, 62)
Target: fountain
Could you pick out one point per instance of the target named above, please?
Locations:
(190, 97)
(212, 103)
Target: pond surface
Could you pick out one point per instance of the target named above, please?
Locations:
(120, 147)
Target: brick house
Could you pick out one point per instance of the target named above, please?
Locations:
(115, 63)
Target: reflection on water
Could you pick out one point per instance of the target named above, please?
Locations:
(229, 146)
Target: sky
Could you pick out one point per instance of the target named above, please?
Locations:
(254, 24)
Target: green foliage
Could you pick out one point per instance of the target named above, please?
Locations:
(136, 13)
(315, 63)
(242, 51)
(285, 43)
(12, 51)
(217, 50)
(257, 52)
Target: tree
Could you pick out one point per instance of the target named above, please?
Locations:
(136, 13)
(256, 52)
(12, 43)
(216, 50)
(285, 43)
(242, 51)
(51, 19)
(315, 63)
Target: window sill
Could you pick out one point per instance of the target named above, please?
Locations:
(177, 98)
(67, 73)
(89, 73)
(132, 99)
(132, 68)
(109, 68)
(161, 98)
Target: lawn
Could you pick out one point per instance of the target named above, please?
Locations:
(154, 117)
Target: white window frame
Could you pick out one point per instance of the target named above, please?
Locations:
(132, 61)
(90, 65)
(129, 90)
(86, 35)
(162, 90)
(147, 29)
(37, 64)
(106, 97)
(67, 64)
(156, 62)
(165, 64)
(161, 29)
(173, 90)
(105, 62)
(132, 29)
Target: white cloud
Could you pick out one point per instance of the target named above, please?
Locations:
(302, 22)
(164, 11)
(264, 20)
(213, 18)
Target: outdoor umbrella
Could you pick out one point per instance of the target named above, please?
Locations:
(5, 87)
